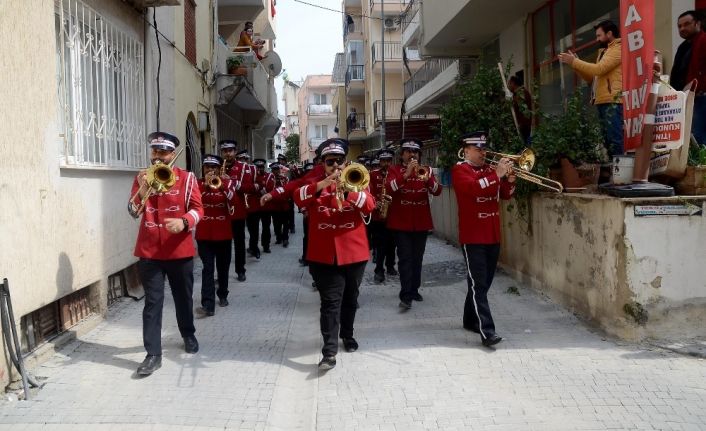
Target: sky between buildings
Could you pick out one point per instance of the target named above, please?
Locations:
(308, 38)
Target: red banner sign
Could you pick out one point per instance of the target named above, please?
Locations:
(637, 28)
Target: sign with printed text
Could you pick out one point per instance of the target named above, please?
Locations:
(637, 23)
(668, 210)
(670, 119)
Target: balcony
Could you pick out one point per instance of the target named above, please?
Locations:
(411, 23)
(356, 126)
(252, 92)
(352, 28)
(393, 110)
(233, 13)
(314, 110)
(393, 56)
(392, 7)
(355, 77)
(431, 86)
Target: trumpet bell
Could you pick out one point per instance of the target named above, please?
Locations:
(355, 177)
(160, 177)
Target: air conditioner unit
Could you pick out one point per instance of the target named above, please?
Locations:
(392, 23)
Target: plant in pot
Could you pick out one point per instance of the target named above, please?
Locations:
(694, 182)
(571, 142)
(235, 65)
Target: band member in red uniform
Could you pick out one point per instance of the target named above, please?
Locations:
(410, 217)
(292, 175)
(305, 219)
(164, 246)
(382, 239)
(240, 174)
(478, 187)
(280, 212)
(338, 249)
(260, 214)
(213, 234)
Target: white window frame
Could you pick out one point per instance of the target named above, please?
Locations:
(320, 99)
(100, 72)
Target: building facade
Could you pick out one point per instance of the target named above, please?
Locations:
(317, 117)
(290, 96)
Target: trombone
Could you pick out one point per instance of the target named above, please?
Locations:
(354, 178)
(525, 162)
(160, 178)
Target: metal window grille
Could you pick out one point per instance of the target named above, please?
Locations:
(101, 90)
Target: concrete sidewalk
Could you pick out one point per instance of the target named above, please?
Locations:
(257, 370)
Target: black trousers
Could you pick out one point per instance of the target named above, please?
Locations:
(338, 288)
(253, 221)
(305, 240)
(481, 262)
(280, 220)
(238, 228)
(290, 218)
(410, 253)
(220, 253)
(180, 273)
(383, 243)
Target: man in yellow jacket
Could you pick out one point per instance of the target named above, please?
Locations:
(607, 78)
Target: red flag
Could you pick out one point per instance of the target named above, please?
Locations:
(272, 7)
(637, 28)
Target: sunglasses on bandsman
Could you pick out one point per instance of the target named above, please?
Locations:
(339, 161)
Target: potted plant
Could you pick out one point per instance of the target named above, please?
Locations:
(571, 142)
(694, 182)
(235, 66)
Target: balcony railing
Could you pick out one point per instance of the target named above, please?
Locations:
(393, 109)
(409, 14)
(355, 122)
(355, 72)
(314, 109)
(433, 68)
(390, 2)
(354, 27)
(392, 51)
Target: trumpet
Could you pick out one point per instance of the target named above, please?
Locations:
(422, 172)
(160, 178)
(525, 162)
(214, 182)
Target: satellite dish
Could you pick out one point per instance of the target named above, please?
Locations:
(272, 63)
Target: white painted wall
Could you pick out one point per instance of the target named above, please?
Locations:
(513, 45)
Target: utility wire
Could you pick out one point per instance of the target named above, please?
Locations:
(337, 11)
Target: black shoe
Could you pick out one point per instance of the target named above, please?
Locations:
(151, 364)
(256, 253)
(292, 230)
(313, 284)
(492, 340)
(471, 328)
(285, 243)
(266, 249)
(223, 302)
(405, 305)
(327, 363)
(241, 276)
(191, 344)
(379, 277)
(417, 297)
(202, 312)
(392, 271)
(350, 344)
(279, 241)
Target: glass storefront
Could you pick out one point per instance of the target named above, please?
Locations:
(558, 26)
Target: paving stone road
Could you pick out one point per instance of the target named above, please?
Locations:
(418, 370)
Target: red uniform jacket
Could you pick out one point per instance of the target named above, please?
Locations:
(335, 236)
(217, 207)
(377, 177)
(254, 198)
(697, 64)
(477, 192)
(241, 174)
(409, 210)
(154, 241)
(288, 191)
(281, 201)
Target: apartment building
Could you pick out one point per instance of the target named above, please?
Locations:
(290, 96)
(528, 33)
(317, 117)
(84, 82)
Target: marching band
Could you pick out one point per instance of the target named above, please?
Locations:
(348, 210)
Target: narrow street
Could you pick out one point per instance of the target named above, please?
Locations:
(256, 369)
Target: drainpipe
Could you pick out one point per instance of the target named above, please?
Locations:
(382, 127)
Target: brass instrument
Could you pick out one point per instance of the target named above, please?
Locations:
(160, 178)
(422, 172)
(215, 182)
(385, 200)
(525, 162)
(354, 178)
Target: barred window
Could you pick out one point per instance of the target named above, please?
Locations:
(101, 90)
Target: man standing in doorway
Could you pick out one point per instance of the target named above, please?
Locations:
(607, 78)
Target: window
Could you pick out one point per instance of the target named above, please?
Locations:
(190, 30)
(319, 99)
(101, 90)
(321, 132)
(560, 25)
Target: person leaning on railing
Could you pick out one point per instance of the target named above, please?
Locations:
(246, 43)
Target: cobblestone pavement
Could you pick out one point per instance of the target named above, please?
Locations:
(256, 369)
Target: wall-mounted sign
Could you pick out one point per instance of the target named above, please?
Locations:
(667, 210)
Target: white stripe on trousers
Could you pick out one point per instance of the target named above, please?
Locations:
(473, 285)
